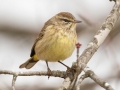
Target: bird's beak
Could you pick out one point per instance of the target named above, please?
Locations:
(77, 21)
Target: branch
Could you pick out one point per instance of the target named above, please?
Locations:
(101, 35)
(65, 84)
(61, 74)
(92, 75)
(13, 81)
(98, 39)
(70, 76)
(80, 81)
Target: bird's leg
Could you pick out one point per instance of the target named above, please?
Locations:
(68, 68)
(48, 70)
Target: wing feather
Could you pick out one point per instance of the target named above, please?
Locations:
(40, 36)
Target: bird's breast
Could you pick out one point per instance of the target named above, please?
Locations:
(58, 46)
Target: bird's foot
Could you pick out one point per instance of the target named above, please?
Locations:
(49, 72)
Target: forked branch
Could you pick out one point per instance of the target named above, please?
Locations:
(98, 39)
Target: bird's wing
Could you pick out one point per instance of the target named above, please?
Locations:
(40, 36)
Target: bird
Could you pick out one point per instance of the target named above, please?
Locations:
(55, 42)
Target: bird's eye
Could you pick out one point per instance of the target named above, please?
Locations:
(65, 20)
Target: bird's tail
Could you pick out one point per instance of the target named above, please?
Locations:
(29, 63)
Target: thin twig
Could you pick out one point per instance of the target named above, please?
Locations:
(13, 81)
(78, 45)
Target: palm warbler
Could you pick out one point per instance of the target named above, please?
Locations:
(55, 42)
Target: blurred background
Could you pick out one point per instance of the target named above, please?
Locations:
(21, 22)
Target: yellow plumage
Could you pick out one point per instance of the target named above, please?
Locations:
(35, 58)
